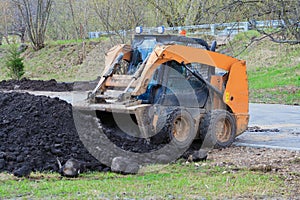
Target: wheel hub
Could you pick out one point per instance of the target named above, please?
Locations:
(223, 130)
(181, 129)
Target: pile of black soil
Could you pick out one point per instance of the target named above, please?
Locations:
(36, 85)
(35, 131)
(50, 85)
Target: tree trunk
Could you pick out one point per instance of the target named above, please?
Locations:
(1, 38)
(36, 17)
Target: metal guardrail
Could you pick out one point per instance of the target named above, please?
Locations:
(219, 29)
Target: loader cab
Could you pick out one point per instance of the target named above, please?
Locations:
(143, 46)
(141, 50)
(173, 85)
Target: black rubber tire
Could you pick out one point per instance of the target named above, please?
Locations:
(210, 126)
(181, 129)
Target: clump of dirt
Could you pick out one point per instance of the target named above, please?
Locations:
(36, 85)
(35, 131)
(259, 129)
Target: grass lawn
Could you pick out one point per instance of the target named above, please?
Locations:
(275, 85)
(273, 69)
(67, 61)
(174, 181)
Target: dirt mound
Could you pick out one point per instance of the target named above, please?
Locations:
(35, 130)
(36, 85)
(50, 85)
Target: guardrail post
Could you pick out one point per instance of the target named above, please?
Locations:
(213, 29)
(246, 26)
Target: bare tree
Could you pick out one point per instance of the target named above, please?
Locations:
(72, 19)
(287, 12)
(183, 12)
(11, 22)
(36, 17)
(119, 15)
(5, 19)
(171, 10)
(79, 13)
(17, 27)
(60, 22)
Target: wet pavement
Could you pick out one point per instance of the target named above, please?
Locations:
(279, 127)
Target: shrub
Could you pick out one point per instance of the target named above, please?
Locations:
(14, 63)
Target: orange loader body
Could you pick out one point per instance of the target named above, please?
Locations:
(223, 97)
(236, 91)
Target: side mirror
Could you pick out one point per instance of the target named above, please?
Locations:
(213, 46)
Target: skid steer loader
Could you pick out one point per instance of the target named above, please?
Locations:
(165, 90)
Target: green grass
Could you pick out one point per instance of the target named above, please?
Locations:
(3, 70)
(273, 69)
(274, 77)
(274, 73)
(62, 60)
(173, 181)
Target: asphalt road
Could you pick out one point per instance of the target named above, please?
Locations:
(280, 127)
(277, 126)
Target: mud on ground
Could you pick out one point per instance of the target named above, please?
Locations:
(284, 163)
